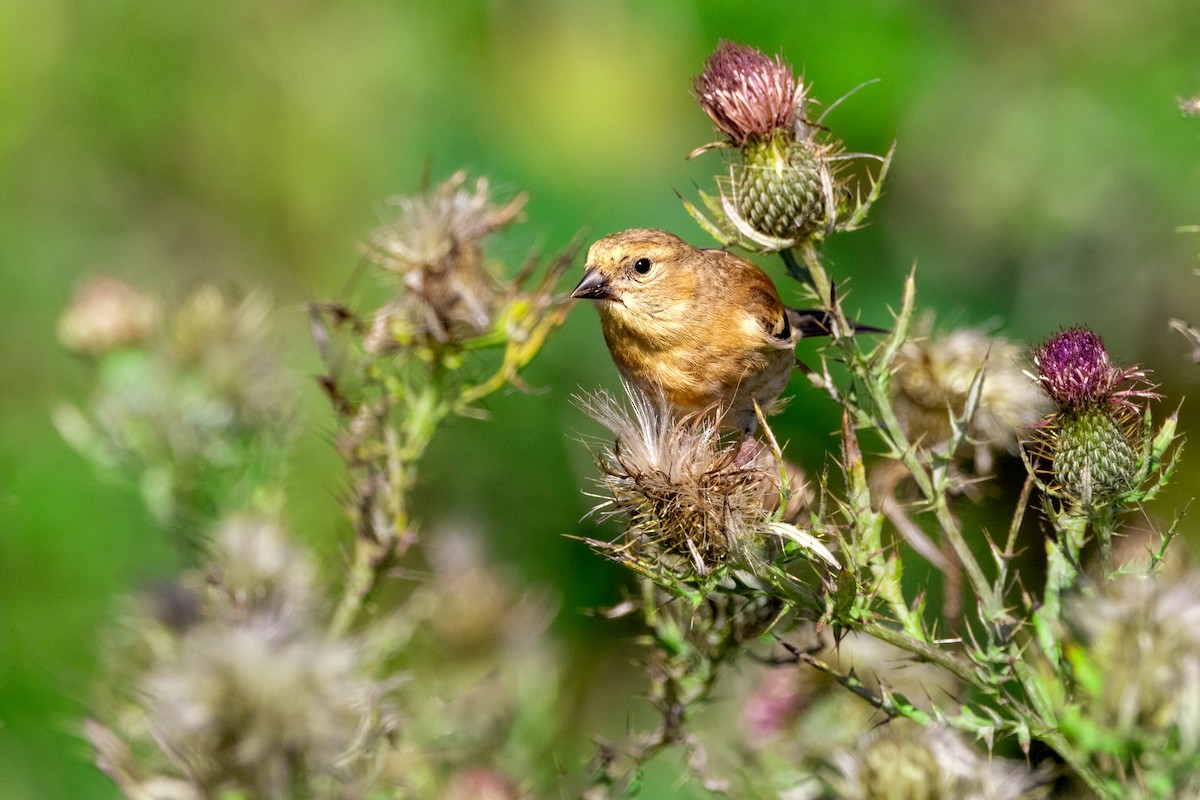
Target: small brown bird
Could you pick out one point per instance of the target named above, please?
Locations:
(699, 327)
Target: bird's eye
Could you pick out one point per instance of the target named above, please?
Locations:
(642, 265)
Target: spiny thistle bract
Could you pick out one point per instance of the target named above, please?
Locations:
(1092, 440)
(782, 187)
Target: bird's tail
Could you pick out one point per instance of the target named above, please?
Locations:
(818, 322)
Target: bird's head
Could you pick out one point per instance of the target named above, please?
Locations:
(639, 277)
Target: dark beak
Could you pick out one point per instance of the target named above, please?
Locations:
(594, 286)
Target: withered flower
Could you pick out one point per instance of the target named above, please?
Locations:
(434, 245)
(253, 694)
(692, 502)
(681, 488)
(932, 380)
(904, 761)
(1136, 652)
(107, 314)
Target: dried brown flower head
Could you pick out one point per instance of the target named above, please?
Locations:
(254, 569)
(252, 694)
(1138, 659)
(107, 314)
(681, 489)
(229, 343)
(904, 761)
(932, 380)
(249, 703)
(434, 244)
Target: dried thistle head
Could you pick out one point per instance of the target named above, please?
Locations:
(1092, 440)
(434, 244)
(931, 384)
(260, 705)
(230, 344)
(476, 609)
(252, 694)
(199, 415)
(1136, 652)
(254, 569)
(107, 314)
(687, 499)
(903, 761)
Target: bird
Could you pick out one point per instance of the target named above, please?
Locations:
(700, 328)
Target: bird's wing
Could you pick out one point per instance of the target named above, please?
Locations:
(808, 322)
(818, 322)
(744, 284)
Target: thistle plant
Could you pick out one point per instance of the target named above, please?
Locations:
(255, 673)
(719, 589)
(416, 668)
(194, 406)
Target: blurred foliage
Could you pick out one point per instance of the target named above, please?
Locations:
(1041, 173)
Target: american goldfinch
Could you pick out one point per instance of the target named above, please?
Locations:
(699, 327)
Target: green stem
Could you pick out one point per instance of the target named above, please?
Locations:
(884, 703)
(376, 547)
(957, 666)
(1104, 524)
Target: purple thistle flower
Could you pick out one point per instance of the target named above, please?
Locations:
(1092, 441)
(748, 94)
(1074, 369)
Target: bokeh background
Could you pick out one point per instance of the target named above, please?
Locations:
(1042, 173)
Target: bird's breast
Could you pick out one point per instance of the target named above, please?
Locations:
(710, 366)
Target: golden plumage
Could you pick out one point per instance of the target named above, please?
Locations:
(701, 328)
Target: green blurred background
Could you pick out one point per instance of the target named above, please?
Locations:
(1042, 171)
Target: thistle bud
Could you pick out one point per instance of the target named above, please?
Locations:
(782, 187)
(1091, 440)
(778, 189)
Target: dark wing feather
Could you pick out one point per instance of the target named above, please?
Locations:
(817, 322)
